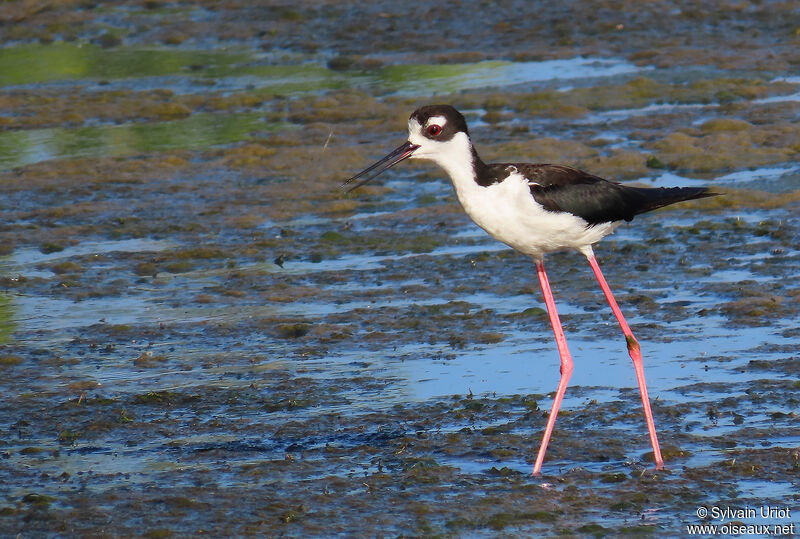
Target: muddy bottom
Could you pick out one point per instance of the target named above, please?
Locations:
(200, 335)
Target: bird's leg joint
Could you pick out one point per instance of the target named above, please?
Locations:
(566, 369)
(633, 344)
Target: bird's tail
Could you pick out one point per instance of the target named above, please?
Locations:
(653, 198)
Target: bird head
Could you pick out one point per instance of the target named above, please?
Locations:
(435, 132)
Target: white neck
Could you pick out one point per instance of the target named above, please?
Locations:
(456, 157)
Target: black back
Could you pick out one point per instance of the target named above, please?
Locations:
(564, 189)
(595, 200)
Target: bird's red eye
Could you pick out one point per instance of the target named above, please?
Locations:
(434, 130)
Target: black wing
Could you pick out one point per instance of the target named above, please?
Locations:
(596, 200)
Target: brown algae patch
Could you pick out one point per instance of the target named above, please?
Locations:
(727, 146)
(642, 91)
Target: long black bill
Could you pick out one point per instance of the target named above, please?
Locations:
(387, 162)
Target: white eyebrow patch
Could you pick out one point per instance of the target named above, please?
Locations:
(436, 120)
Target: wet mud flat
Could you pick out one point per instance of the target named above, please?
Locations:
(200, 335)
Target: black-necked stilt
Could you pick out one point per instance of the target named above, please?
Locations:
(535, 209)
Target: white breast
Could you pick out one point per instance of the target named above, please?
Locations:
(509, 213)
(507, 210)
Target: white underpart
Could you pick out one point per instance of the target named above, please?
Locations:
(507, 210)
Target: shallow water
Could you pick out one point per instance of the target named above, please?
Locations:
(198, 131)
(223, 72)
(232, 69)
(200, 335)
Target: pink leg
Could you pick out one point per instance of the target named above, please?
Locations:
(566, 364)
(636, 356)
